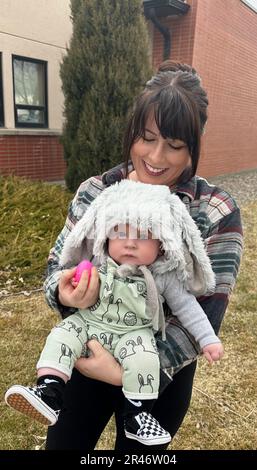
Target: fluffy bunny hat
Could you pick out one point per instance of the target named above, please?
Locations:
(144, 207)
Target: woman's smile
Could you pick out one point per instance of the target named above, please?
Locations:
(153, 171)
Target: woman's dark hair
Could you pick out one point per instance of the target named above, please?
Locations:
(179, 104)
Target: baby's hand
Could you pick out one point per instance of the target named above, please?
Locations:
(213, 352)
(78, 295)
(85, 265)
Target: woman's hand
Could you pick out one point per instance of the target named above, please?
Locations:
(81, 295)
(101, 365)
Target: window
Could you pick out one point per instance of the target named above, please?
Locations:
(251, 3)
(1, 95)
(30, 92)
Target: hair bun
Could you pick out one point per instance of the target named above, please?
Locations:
(171, 66)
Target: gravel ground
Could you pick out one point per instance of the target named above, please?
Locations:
(242, 186)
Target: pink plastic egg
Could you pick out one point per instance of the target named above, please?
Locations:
(80, 268)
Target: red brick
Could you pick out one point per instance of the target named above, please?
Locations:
(36, 157)
(219, 39)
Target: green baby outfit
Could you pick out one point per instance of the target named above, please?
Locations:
(122, 322)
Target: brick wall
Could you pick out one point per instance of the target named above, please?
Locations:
(182, 31)
(225, 53)
(35, 157)
(219, 39)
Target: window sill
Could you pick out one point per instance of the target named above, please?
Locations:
(36, 131)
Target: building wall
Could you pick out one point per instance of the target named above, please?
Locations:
(32, 156)
(219, 39)
(182, 31)
(225, 53)
(38, 29)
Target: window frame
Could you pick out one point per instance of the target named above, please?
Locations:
(31, 107)
(1, 94)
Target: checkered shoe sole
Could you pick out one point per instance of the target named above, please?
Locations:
(24, 400)
(150, 431)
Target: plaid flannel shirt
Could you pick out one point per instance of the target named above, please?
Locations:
(217, 217)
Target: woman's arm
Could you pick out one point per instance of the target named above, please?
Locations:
(224, 246)
(224, 243)
(87, 191)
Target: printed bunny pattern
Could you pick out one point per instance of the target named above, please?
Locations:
(120, 321)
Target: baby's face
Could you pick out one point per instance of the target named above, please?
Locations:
(128, 246)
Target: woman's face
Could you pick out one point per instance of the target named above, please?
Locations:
(157, 160)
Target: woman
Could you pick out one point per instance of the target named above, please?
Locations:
(163, 143)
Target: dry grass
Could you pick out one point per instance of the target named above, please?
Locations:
(24, 324)
(31, 216)
(223, 413)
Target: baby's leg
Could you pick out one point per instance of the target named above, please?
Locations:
(44, 401)
(137, 353)
(64, 345)
(45, 371)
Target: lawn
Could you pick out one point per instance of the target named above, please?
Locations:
(223, 409)
(31, 215)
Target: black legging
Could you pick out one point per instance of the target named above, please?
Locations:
(89, 404)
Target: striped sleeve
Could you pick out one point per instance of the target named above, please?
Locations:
(86, 193)
(224, 245)
(219, 220)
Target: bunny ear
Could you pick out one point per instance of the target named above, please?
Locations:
(140, 379)
(196, 281)
(200, 278)
(79, 243)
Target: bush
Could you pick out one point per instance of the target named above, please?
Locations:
(32, 215)
(105, 67)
